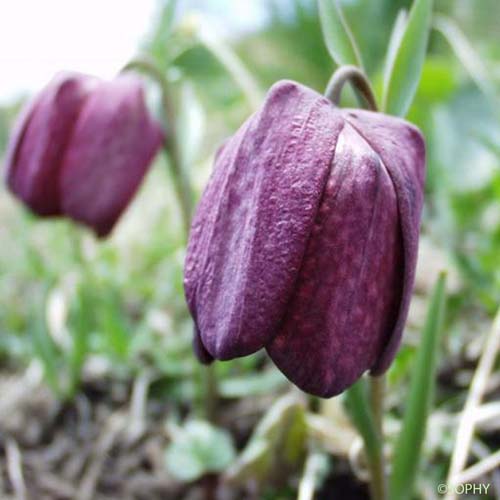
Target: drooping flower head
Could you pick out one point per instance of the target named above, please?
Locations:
(305, 240)
(81, 148)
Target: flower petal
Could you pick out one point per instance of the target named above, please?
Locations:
(113, 143)
(348, 290)
(401, 147)
(254, 221)
(200, 350)
(39, 140)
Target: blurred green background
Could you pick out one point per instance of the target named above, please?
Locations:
(77, 312)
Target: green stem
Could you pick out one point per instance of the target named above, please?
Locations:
(184, 194)
(210, 387)
(182, 185)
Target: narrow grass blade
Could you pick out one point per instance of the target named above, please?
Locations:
(358, 406)
(338, 37)
(406, 61)
(80, 328)
(45, 349)
(364, 417)
(398, 31)
(114, 327)
(231, 62)
(161, 40)
(408, 448)
(465, 54)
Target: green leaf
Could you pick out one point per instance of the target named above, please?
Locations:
(406, 57)
(160, 44)
(466, 54)
(394, 43)
(198, 448)
(168, 17)
(409, 445)
(277, 444)
(45, 349)
(358, 407)
(80, 327)
(114, 327)
(438, 81)
(251, 384)
(338, 37)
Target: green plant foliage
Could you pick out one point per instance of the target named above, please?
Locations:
(198, 448)
(358, 407)
(405, 57)
(338, 36)
(407, 453)
(81, 325)
(252, 384)
(46, 351)
(278, 443)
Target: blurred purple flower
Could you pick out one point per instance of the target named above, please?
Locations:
(81, 149)
(305, 240)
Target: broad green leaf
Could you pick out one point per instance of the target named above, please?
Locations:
(198, 448)
(406, 57)
(406, 457)
(338, 37)
(278, 443)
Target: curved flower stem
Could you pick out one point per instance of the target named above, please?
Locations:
(184, 195)
(171, 143)
(357, 79)
(375, 457)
